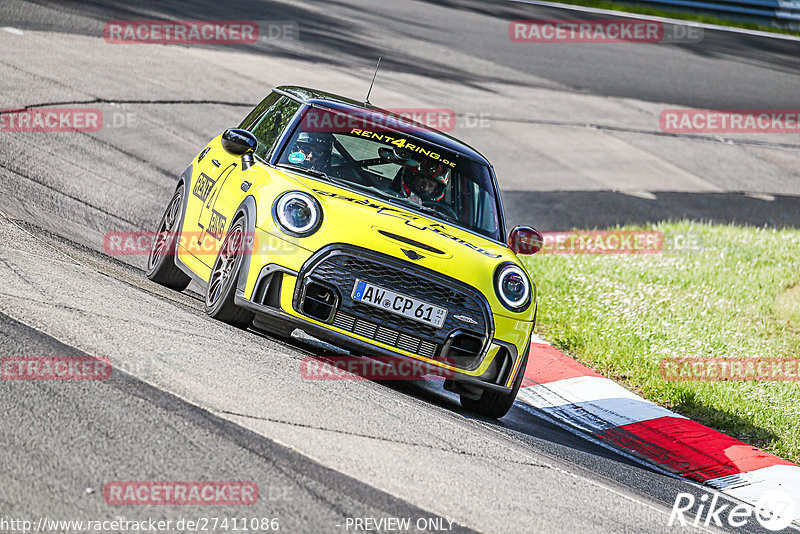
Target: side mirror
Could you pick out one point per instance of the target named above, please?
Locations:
(239, 142)
(525, 240)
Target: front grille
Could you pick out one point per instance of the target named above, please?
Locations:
(341, 266)
(400, 280)
(385, 335)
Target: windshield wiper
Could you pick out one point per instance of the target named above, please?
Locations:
(298, 168)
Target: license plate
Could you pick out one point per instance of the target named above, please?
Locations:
(398, 303)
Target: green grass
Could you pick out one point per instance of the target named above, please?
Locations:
(677, 14)
(717, 291)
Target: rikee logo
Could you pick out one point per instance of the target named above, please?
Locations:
(775, 510)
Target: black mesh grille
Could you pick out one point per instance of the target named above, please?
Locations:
(384, 317)
(342, 267)
(385, 335)
(399, 280)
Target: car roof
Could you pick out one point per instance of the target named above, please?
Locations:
(350, 106)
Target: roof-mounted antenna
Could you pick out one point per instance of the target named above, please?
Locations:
(366, 100)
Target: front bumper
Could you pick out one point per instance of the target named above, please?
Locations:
(280, 292)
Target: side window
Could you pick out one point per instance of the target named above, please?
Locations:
(486, 216)
(476, 207)
(272, 124)
(253, 116)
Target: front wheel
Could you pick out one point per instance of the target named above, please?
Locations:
(224, 278)
(493, 404)
(161, 266)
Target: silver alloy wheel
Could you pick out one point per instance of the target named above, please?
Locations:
(163, 236)
(225, 265)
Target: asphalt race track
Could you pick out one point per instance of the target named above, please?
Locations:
(573, 133)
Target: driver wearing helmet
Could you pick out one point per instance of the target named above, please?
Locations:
(312, 151)
(425, 182)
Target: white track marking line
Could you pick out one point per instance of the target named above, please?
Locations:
(592, 403)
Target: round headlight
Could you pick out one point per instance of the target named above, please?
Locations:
(297, 213)
(513, 287)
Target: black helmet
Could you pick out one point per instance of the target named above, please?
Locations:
(427, 180)
(311, 150)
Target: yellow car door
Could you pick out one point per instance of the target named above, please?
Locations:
(215, 192)
(219, 185)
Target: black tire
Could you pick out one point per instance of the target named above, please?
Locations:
(161, 266)
(221, 287)
(493, 404)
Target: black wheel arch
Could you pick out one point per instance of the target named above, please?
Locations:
(185, 180)
(248, 210)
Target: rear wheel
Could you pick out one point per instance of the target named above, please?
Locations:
(161, 266)
(224, 278)
(493, 404)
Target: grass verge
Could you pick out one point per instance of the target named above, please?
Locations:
(715, 291)
(641, 9)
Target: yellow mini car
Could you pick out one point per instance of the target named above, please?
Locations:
(363, 229)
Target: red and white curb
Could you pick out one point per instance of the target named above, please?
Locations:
(573, 394)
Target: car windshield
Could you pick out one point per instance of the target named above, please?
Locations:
(396, 166)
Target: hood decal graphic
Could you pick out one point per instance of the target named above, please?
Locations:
(409, 220)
